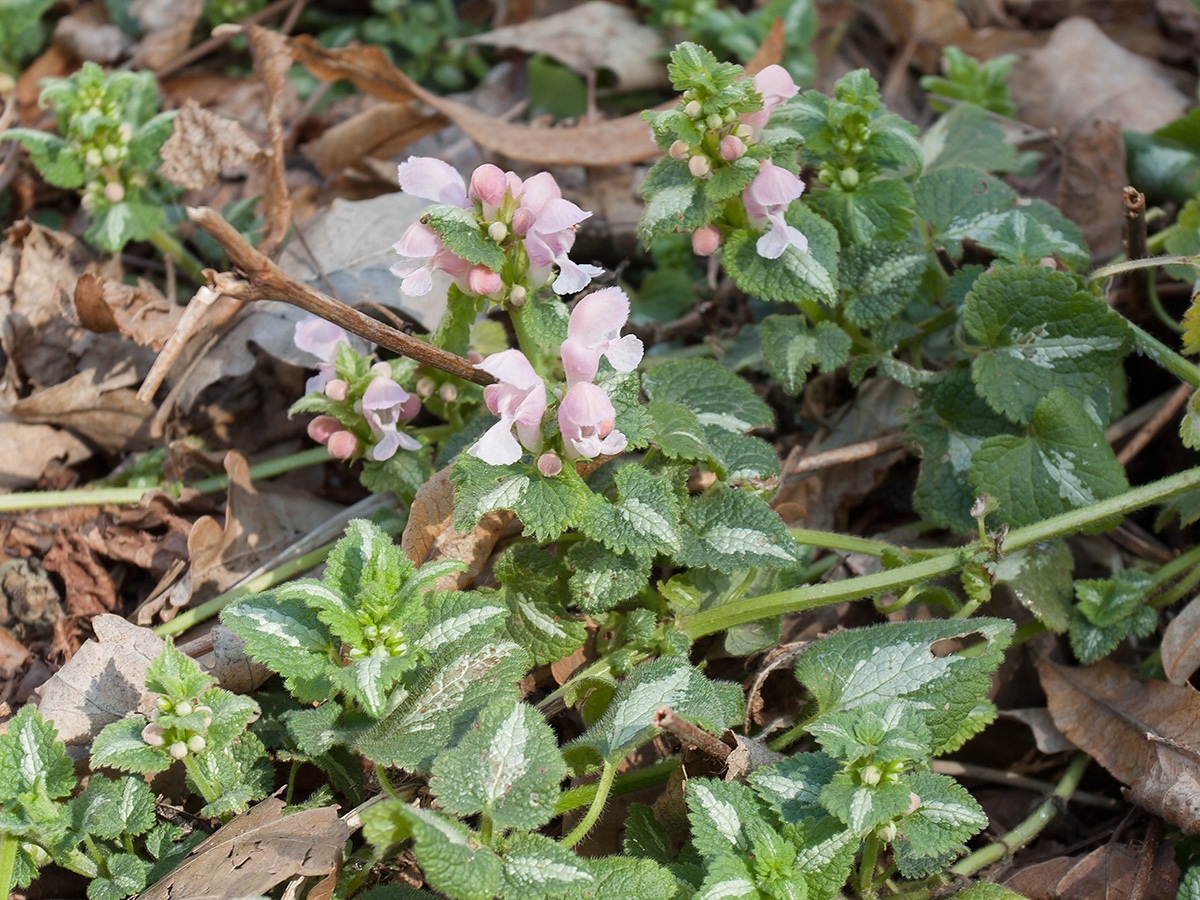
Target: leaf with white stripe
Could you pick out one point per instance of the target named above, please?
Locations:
(534, 867)
(727, 530)
(719, 813)
(643, 522)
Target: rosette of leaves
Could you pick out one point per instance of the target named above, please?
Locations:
(107, 147)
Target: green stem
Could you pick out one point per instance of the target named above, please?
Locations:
(1159, 310)
(9, 844)
(128, 495)
(525, 341)
(1163, 355)
(831, 540)
(1148, 262)
(866, 866)
(169, 245)
(607, 774)
(485, 830)
(651, 776)
(1031, 827)
(207, 791)
(711, 621)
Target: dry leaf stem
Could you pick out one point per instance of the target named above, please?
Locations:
(259, 278)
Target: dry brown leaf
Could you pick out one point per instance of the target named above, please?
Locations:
(166, 27)
(1146, 733)
(139, 312)
(13, 653)
(1106, 873)
(87, 34)
(113, 419)
(202, 144)
(380, 131)
(28, 449)
(931, 25)
(430, 532)
(103, 682)
(612, 143)
(89, 589)
(746, 756)
(1181, 644)
(233, 669)
(1046, 735)
(256, 851)
(770, 51)
(588, 37)
(272, 60)
(1089, 189)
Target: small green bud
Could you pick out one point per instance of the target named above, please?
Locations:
(849, 177)
(870, 775)
(887, 833)
(178, 750)
(196, 743)
(714, 120)
(93, 158)
(111, 153)
(183, 709)
(693, 109)
(163, 704)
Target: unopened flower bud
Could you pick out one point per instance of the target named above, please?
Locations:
(336, 390)
(125, 132)
(183, 708)
(497, 231)
(488, 183)
(870, 775)
(516, 297)
(474, 357)
(693, 109)
(409, 409)
(152, 734)
(849, 177)
(914, 803)
(745, 132)
(1049, 262)
(425, 387)
(114, 192)
(111, 153)
(381, 370)
(732, 148)
(178, 750)
(887, 833)
(483, 281)
(322, 428)
(163, 704)
(521, 221)
(196, 743)
(714, 120)
(549, 464)
(94, 159)
(699, 166)
(679, 150)
(706, 240)
(342, 445)
(448, 393)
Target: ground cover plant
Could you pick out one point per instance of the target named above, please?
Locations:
(618, 583)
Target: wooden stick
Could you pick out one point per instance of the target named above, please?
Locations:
(261, 279)
(839, 455)
(1135, 243)
(691, 735)
(1164, 415)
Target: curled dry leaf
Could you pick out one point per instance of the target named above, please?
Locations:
(111, 417)
(430, 532)
(588, 37)
(1046, 735)
(87, 34)
(202, 144)
(1181, 644)
(612, 143)
(380, 131)
(28, 449)
(103, 682)
(233, 669)
(1107, 873)
(256, 851)
(271, 63)
(89, 589)
(1146, 733)
(166, 27)
(141, 313)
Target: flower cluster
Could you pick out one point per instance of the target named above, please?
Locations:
(363, 405)
(528, 221)
(179, 727)
(586, 416)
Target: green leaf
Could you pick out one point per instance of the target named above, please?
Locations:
(545, 321)
(627, 724)
(1028, 233)
(880, 279)
(1189, 885)
(452, 860)
(442, 706)
(968, 136)
(792, 786)
(674, 201)
(112, 807)
(458, 617)
(1108, 610)
(935, 832)
(738, 458)
(719, 814)
(1042, 332)
(542, 626)
(960, 203)
(126, 876)
(463, 236)
(716, 395)
(535, 867)
(603, 579)
(877, 733)
(175, 675)
(123, 222)
(624, 390)
(694, 68)
(120, 746)
(790, 349)
(1040, 577)
(949, 423)
(618, 877)
(728, 529)
(1061, 464)
(32, 758)
(729, 878)
(58, 160)
(646, 838)
(240, 772)
(863, 808)
(676, 430)
(797, 275)
(546, 506)
(402, 474)
(897, 661)
(644, 521)
(507, 767)
(728, 181)
(875, 212)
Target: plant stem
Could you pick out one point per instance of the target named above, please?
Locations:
(127, 495)
(603, 786)
(651, 776)
(831, 540)
(525, 341)
(1163, 355)
(169, 245)
(9, 844)
(866, 866)
(1031, 827)
(711, 621)
(485, 830)
(207, 791)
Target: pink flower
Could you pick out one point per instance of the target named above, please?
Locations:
(706, 240)
(384, 405)
(322, 338)
(548, 223)
(775, 86)
(433, 179)
(342, 445)
(427, 254)
(593, 331)
(732, 147)
(483, 281)
(488, 184)
(519, 399)
(549, 464)
(322, 428)
(766, 199)
(586, 419)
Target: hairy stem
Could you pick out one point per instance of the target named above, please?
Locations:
(866, 866)
(1163, 355)
(651, 776)
(169, 245)
(207, 791)
(603, 786)
(8, 860)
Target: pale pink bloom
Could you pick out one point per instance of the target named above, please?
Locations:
(336, 390)
(766, 199)
(342, 445)
(775, 86)
(321, 338)
(679, 150)
(433, 179)
(706, 240)
(549, 464)
(483, 281)
(152, 734)
(384, 404)
(586, 419)
(732, 147)
(548, 224)
(488, 184)
(322, 427)
(114, 192)
(519, 399)
(427, 254)
(593, 331)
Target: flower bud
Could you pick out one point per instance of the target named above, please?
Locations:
(483, 281)
(448, 393)
(497, 231)
(183, 708)
(488, 183)
(474, 357)
(732, 148)
(549, 464)
(849, 177)
(322, 428)
(381, 370)
(152, 734)
(337, 390)
(94, 159)
(693, 109)
(114, 192)
(516, 297)
(914, 803)
(887, 833)
(714, 120)
(125, 132)
(110, 153)
(1048, 262)
(699, 166)
(196, 743)
(745, 132)
(425, 387)
(342, 445)
(409, 409)
(521, 221)
(679, 150)
(706, 240)
(178, 750)
(163, 704)
(870, 775)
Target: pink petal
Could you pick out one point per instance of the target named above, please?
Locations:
(580, 362)
(540, 253)
(625, 353)
(775, 186)
(511, 367)
(389, 443)
(419, 241)
(433, 179)
(772, 244)
(319, 337)
(775, 85)
(325, 374)
(417, 283)
(599, 316)
(613, 444)
(558, 215)
(584, 406)
(497, 447)
(573, 277)
(539, 190)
